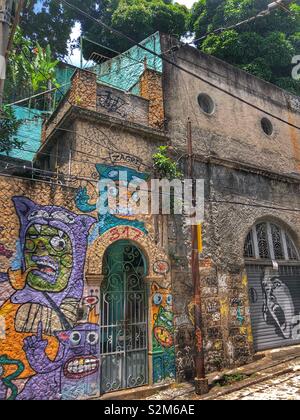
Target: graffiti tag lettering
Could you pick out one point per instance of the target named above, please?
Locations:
(111, 103)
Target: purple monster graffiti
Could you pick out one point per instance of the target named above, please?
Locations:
(47, 276)
(62, 379)
(49, 279)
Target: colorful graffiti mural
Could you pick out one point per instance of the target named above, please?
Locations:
(163, 334)
(123, 215)
(5, 252)
(77, 359)
(47, 276)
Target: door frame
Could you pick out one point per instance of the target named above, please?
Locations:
(145, 278)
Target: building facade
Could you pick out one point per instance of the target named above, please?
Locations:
(94, 303)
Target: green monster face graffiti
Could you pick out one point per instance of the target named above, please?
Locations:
(48, 259)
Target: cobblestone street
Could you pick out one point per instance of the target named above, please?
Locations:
(274, 376)
(286, 387)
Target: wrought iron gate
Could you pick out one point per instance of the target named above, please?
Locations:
(124, 319)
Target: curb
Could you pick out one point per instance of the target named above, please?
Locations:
(245, 384)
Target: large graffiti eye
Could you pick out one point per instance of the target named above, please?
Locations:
(58, 243)
(75, 338)
(157, 299)
(169, 300)
(92, 338)
(63, 217)
(38, 214)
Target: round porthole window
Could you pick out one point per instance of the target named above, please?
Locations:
(267, 126)
(206, 103)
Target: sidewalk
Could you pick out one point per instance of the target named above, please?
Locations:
(269, 365)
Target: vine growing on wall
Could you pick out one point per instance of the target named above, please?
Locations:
(165, 166)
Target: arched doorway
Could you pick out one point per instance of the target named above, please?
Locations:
(273, 268)
(124, 319)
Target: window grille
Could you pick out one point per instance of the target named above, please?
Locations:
(267, 241)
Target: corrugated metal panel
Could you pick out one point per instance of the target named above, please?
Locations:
(275, 306)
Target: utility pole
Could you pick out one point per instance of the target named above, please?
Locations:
(201, 383)
(5, 22)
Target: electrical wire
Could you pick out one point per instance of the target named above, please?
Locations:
(251, 19)
(179, 67)
(77, 178)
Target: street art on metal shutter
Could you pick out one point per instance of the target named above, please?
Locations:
(274, 293)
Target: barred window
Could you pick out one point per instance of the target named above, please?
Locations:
(268, 241)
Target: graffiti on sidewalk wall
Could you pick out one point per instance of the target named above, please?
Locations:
(123, 215)
(163, 334)
(38, 359)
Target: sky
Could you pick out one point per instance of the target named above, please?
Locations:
(188, 3)
(75, 57)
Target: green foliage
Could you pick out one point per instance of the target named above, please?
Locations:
(47, 23)
(164, 165)
(9, 126)
(264, 48)
(230, 379)
(30, 68)
(135, 18)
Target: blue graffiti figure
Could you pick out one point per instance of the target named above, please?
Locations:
(121, 216)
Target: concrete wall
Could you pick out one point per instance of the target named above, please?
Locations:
(234, 130)
(114, 102)
(36, 345)
(240, 164)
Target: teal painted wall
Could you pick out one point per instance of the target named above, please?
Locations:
(29, 132)
(124, 71)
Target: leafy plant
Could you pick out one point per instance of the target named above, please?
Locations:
(230, 379)
(31, 68)
(165, 165)
(9, 126)
(264, 47)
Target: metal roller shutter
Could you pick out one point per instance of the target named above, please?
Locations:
(275, 306)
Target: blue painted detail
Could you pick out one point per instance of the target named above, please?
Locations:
(17, 262)
(124, 71)
(240, 317)
(164, 366)
(29, 132)
(82, 201)
(109, 221)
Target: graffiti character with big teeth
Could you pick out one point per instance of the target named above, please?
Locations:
(47, 276)
(62, 378)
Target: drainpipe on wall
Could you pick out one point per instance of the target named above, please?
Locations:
(201, 383)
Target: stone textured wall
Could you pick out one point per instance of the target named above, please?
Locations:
(117, 103)
(84, 89)
(151, 89)
(52, 246)
(233, 131)
(228, 338)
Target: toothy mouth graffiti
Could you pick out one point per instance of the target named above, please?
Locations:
(48, 258)
(47, 268)
(163, 336)
(81, 367)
